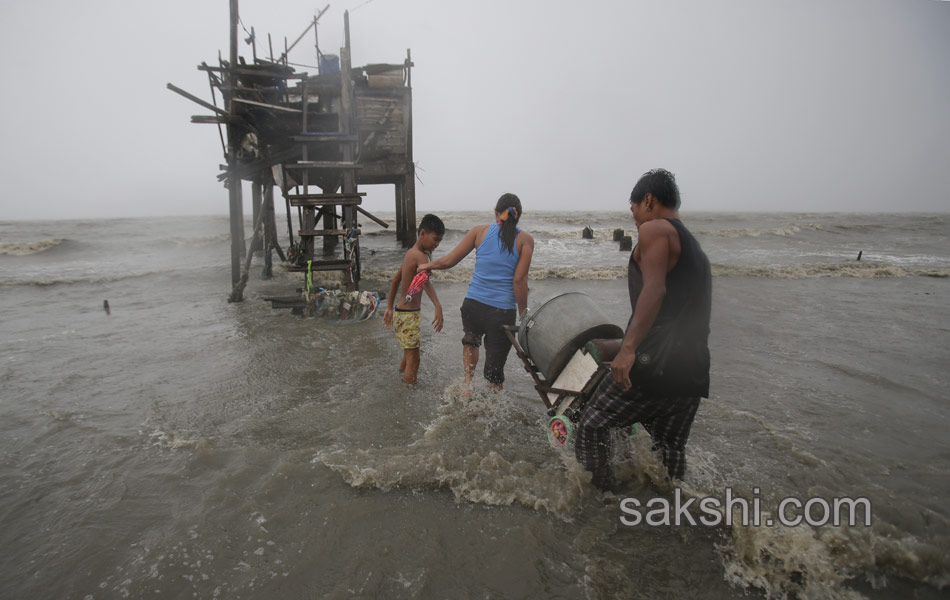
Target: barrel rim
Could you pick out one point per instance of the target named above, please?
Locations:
(522, 338)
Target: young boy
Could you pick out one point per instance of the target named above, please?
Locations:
(407, 317)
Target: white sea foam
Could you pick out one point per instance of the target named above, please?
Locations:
(170, 440)
(96, 279)
(794, 271)
(475, 448)
(785, 231)
(28, 248)
(199, 241)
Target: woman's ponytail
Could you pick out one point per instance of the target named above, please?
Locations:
(509, 211)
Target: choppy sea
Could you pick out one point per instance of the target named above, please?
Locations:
(182, 446)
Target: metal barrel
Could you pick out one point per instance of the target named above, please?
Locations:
(560, 327)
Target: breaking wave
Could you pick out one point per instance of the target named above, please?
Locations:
(198, 242)
(464, 275)
(169, 440)
(792, 562)
(807, 562)
(75, 280)
(475, 448)
(802, 271)
(810, 271)
(778, 231)
(28, 248)
(486, 451)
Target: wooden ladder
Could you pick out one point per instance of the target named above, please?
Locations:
(339, 201)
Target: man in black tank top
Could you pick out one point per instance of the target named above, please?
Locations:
(662, 369)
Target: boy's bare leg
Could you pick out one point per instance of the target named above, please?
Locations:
(411, 356)
(402, 363)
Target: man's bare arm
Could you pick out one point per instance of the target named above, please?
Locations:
(654, 243)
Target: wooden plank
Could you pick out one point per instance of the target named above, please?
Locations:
(289, 299)
(287, 302)
(373, 217)
(322, 164)
(325, 265)
(345, 202)
(268, 106)
(257, 165)
(216, 119)
(322, 232)
(326, 196)
(320, 89)
(283, 73)
(308, 138)
(360, 98)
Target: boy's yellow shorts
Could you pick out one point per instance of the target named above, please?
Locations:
(406, 324)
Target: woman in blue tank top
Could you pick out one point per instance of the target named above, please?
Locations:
(498, 291)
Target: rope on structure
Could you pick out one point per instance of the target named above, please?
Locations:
(247, 41)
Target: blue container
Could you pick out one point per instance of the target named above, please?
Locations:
(329, 63)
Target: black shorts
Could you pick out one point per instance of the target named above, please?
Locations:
(480, 319)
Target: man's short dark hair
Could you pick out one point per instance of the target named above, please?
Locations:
(432, 223)
(662, 184)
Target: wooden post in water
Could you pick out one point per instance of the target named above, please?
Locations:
(409, 189)
(236, 204)
(349, 175)
(270, 228)
(308, 222)
(409, 192)
(400, 213)
(257, 199)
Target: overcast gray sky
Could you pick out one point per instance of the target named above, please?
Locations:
(805, 105)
